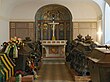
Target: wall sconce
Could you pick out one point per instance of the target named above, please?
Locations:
(99, 33)
(99, 36)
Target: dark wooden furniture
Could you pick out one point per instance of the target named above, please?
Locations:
(78, 60)
(99, 65)
(22, 30)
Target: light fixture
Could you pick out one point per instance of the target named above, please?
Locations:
(99, 33)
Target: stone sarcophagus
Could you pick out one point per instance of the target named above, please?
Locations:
(99, 65)
(78, 55)
(79, 61)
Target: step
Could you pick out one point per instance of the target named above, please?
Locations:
(52, 60)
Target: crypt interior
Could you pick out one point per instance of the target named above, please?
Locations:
(54, 41)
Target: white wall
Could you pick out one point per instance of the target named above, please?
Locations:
(4, 31)
(83, 12)
(5, 10)
(107, 24)
(80, 11)
(25, 12)
(101, 22)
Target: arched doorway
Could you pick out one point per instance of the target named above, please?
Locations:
(44, 16)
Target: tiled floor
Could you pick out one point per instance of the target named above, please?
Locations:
(54, 73)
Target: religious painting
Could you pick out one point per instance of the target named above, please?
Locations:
(56, 50)
(44, 34)
(61, 31)
(53, 50)
(68, 30)
(22, 30)
(61, 50)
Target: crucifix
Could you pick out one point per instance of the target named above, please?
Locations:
(53, 28)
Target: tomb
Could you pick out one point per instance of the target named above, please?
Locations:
(99, 65)
(14, 57)
(77, 61)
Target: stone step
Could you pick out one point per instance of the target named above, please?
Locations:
(53, 60)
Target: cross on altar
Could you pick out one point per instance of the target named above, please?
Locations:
(53, 28)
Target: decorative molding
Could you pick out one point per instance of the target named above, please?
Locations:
(22, 20)
(84, 20)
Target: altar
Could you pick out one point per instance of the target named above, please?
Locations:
(53, 48)
(53, 35)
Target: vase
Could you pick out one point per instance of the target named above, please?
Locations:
(19, 78)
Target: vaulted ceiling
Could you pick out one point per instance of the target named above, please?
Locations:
(6, 6)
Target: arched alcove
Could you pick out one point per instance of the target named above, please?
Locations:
(44, 16)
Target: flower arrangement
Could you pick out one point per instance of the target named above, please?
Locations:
(14, 44)
(18, 75)
(17, 41)
(18, 72)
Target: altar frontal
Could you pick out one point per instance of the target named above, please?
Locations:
(53, 48)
